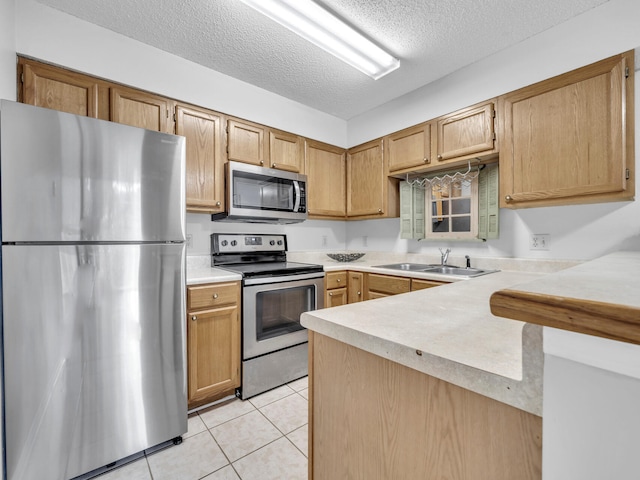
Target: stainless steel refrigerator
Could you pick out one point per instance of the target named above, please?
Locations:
(93, 285)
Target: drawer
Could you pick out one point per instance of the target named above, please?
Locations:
(388, 284)
(212, 295)
(336, 280)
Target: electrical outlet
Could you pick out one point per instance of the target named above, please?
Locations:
(539, 241)
(189, 240)
(324, 240)
(365, 241)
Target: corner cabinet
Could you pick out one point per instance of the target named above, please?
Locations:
(213, 341)
(327, 176)
(203, 130)
(370, 193)
(569, 139)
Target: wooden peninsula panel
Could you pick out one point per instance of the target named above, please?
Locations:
(599, 298)
(371, 418)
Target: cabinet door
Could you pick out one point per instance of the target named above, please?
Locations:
(141, 109)
(355, 287)
(468, 132)
(245, 142)
(383, 285)
(327, 180)
(366, 187)
(204, 158)
(335, 297)
(62, 90)
(286, 151)
(570, 139)
(409, 149)
(213, 346)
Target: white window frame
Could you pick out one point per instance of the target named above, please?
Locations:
(472, 234)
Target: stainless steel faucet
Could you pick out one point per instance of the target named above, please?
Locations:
(444, 256)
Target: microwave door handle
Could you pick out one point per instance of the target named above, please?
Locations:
(296, 195)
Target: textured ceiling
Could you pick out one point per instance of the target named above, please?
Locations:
(431, 39)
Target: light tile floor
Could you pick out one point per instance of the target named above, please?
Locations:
(263, 438)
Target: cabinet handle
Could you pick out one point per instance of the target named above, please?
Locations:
(273, 165)
(261, 162)
(194, 318)
(425, 159)
(215, 296)
(379, 210)
(508, 198)
(331, 294)
(439, 157)
(359, 293)
(218, 204)
(338, 280)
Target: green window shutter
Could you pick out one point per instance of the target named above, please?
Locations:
(488, 207)
(406, 210)
(412, 210)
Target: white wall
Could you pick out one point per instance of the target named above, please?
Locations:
(7, 51)
(55, 37)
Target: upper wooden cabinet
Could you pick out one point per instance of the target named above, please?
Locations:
(569, 139)
(409, 149)
(52, 87)
(141, 109)
(286, 151)
(327, 180)
(466, 133)
(370, 193)
(247, 142)
(203, 130)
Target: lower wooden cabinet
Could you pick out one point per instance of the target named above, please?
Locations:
(346, 287)
(378, 286)
(213, 341)
(355, 287)
(335, 289)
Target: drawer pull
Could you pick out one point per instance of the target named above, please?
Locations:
(508, 198)
(194, 318)
(215, 296)
(338, 280)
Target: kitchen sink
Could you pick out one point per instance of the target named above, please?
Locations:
(438, 269)
(413, 267)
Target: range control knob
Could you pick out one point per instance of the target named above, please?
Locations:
(279, 242)
(234, 243)
(272, 242)
(224, 243)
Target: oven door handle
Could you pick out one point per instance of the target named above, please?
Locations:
(296, 196)
(283, 278)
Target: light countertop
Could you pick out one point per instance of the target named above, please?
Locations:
(199, 271)
(448, 332)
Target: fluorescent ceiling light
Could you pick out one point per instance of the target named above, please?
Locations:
(310, 21)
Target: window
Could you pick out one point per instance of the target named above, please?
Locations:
(453, 210)
(455, 206)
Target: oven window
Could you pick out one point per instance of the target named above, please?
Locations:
(278, 311)
(262, 192)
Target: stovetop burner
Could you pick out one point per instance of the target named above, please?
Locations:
(255, 255)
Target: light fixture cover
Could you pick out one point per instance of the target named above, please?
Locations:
(313, 23)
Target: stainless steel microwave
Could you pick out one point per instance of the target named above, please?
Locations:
(263, 195)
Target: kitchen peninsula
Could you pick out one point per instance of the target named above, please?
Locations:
(426, 381)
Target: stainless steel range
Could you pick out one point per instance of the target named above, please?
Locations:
(274, 295)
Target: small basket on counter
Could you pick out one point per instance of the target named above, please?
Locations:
(345, 257)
